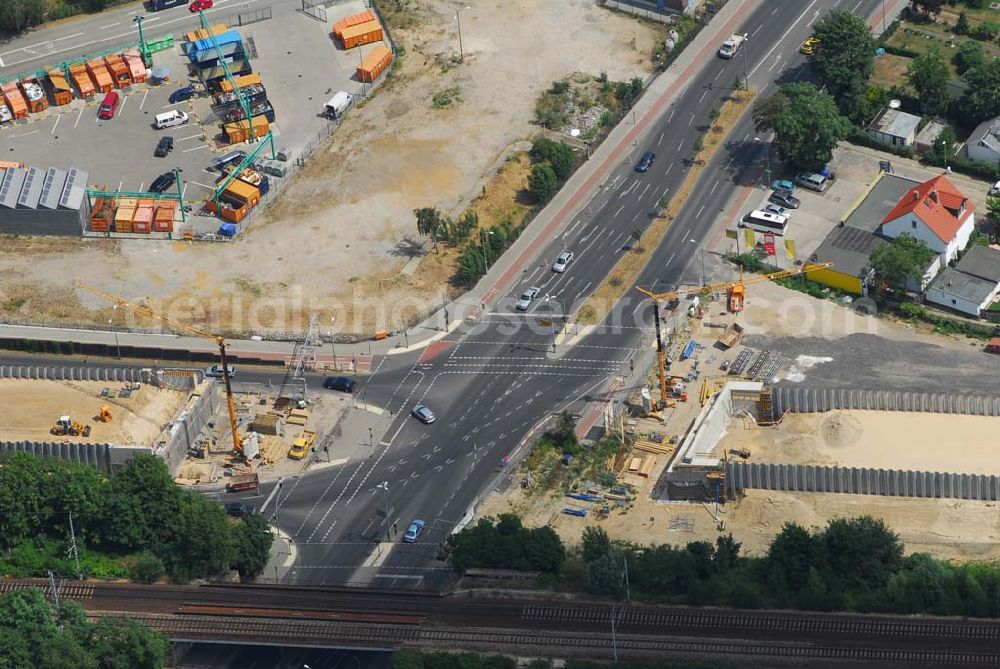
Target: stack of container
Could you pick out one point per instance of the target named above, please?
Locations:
(120, 74)
(201, 33)
(204, 55)
(374, 64)
(142, 220)
(59, 88)
(100, 75)
(239, 131)
(237, 200)
(249, 176)
(362, 33)
(78, 73)
(34, 94)
(137, 68)
(102, 215)
(15, 101)
(124, 214)
(164, 219)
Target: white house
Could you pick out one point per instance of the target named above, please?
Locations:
(894, 127)
(937, 213)
(962, 292)
(984, 142)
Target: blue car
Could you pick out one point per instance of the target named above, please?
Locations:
(182, 94)
(783, 184)
(413, 531)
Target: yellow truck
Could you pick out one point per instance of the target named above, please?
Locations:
(301, 445)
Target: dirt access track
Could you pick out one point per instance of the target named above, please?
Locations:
(336, 241)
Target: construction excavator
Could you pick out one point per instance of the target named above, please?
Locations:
(67, 427)
(219, 340)
(735, 303)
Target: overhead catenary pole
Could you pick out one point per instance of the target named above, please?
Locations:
(746, 62)
(143, 48)
(461, 48)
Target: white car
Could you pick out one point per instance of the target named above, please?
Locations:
(215, 371)
(564, 259)
(994, 189)
(526, 297)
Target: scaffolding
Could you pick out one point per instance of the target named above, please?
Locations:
(293, 386)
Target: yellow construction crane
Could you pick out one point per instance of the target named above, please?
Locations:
(218, 339)
(737, 298)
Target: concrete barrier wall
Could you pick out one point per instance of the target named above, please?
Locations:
(106, 457)
(185, 430)
(810, 400)
(861, 481)
(122, 374)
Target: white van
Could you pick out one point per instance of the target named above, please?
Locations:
(170, 119)
(765, 221)
(339, 104)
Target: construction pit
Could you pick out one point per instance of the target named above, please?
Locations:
(139, 412)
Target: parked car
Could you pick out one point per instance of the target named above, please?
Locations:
(108, 105)
(413, 531)
(775, 209)
(423, 414)
(813, 181)
(783, 184)
(564, 259)
(164, 146)
(201, 5)
(215, 371)
(995, 189)
(527, 296)
(341, 383)
(163, 182)
(785, 198)
(182, 94)
(645, 162)
(240, 509)
(232, 157)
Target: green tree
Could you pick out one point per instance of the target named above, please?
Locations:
(862, 552)
(148, 568)
(252, 539)
(902, 260)
(981, 100)
(140, 498)
(961, 26)
(542, 183)
(544, 549)
(203, 543)
(845, 56)
(727, 553)
(791, 557)
(969, 55)
(943, 148)
(564, 431)
(122, 643)
(928, 75)
(806, 125)
(470, 264)
(559, 155)
(595, 543)
(16, 15)
(605, 575)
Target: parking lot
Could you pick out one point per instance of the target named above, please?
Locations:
(300, 65)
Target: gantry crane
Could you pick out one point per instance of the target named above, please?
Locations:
(219, 340)
(737, 298)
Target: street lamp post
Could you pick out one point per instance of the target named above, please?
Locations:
(458, 18)
(333, 343)
(143, 49)
(384, 485)
(111, 322)
(746, 62)
(482, 240)
(702, 249)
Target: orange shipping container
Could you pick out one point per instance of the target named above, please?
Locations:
(142, 220)
(241, 191)
(78, 73)
(201, 33)
(240, 130)
(123, 218)
(34, 94)
(62, 94)
(101, 215)
(163, 221)
(242, 82)
(374, 64)
(137, 68)
(363, 17)
(15, 101)
(120, 74)
(100, 75)
(363, 33)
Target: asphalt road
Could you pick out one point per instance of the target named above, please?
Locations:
(491, 381)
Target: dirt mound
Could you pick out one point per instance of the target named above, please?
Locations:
(840, 430)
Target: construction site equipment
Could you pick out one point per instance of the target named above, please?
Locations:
(731, 337)
(207, 78)
(362, 33)
(710, 387)
(121, 75)
(15, 100)
(104, 414)
(302, 444)
(242, 482)
(219, 340)
(99, 75)
(66, 427)
(993, 346)
(240, 131)
(78, 73)
(59, 88)
(34, 94)
(374, 64)
(356, 19)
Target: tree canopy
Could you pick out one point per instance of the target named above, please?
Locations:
(805, 122)
(506, 543)
(981, 100)
(845, 56)
(902, 260)
(928, 75)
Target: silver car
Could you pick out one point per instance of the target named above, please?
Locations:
(215, 371)
(526, 297)
(564, 259)
(775, 209)
(423, 414)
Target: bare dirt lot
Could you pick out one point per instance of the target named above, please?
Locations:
(31, 408)
(350, 212)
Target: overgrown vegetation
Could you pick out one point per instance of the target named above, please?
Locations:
(136, 523)
(445, 98)
(18, 15)
(414, 659)
(505, 543)
(32, 636)
(591, 104)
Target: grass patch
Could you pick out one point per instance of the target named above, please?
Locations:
(445, 98)
(890, 70)
(628, 268)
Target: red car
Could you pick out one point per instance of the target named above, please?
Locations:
(108, 105)
(201, 5)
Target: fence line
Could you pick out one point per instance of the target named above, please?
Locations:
(121, 374)
(247, 18)
(742, 476)
(818, 400)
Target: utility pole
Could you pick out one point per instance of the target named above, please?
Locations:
(746, 61)
(458, 18)
(143, 49)
(180, 193)
(111, 322)
(384, 485)
(55, 590)
(73, 549)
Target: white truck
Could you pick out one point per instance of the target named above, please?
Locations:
(731, 46)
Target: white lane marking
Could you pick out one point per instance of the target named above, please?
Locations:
(198, 183)
(635, 216)
(782, 38)
(669, 167)
(24, 135)
(643, 194)
(698, 215)
(754, 33)
(110, 25)
(680, 145)
(691, 120)
(144, 98)
(55, 125)
(615, 215)
(197, 148)
(141, 184)
(1, 62)
(78, 117)
(121, 107)
(671, 115)
(719, 74)
(669, 259)
(777, 59)
(855, 10)
(660, 139)
(665, 191)
(701, 99)
(714, 186)
(189, 137)
(531, 276)
(582, 291)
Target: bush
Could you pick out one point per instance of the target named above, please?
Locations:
(147, 568)
(506, 543)
(542, 183)
(559, 155)
(970, 54)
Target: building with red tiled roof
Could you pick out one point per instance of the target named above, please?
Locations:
(936, 212)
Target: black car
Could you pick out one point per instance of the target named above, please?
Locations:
(785, 199)
(164, 146)
(182, 94)
(645, 162)
(341, 383)
(162, 183)
(240, 509)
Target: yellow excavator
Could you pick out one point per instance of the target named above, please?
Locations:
(67, 427)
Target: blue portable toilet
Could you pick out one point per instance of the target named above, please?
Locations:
(227, 229)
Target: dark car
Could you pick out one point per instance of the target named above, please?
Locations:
(240, 509)
(645, 162)
(341, 383)
(164, 146)
(785, 199)
(423, 414)
(182, 94)
(162, 183)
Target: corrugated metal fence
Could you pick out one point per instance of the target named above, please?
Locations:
(811, 400)
(123, 374)
(95, 455)
(861, 481)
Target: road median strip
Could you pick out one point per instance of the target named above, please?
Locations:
(627, 270)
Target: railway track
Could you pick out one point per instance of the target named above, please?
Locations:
(563, 644)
